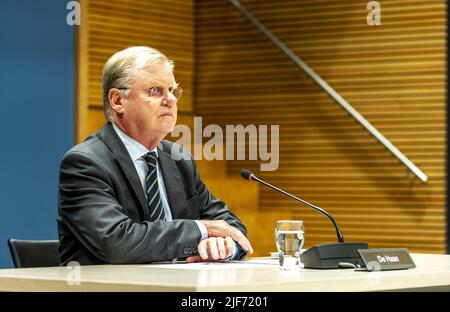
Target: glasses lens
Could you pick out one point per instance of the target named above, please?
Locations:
(156, 92)
(177, 92)
(159, 92)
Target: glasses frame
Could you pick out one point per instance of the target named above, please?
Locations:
(177, 95)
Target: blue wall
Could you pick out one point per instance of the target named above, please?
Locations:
(37, 56)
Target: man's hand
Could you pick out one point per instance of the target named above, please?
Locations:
(220, 228)
(213, 249)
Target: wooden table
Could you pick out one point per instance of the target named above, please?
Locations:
(432, 273)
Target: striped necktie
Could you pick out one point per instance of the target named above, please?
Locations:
(152, 190)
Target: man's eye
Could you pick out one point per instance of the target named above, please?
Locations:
(156, 91)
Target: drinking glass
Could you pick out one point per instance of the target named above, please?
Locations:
(289, 235)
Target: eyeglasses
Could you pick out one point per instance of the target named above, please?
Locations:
(159, 92)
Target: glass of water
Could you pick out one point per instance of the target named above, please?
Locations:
(289, 235)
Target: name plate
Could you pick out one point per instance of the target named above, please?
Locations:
(386, 259)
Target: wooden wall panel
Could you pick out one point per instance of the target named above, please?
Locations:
(394, 74)
(112, 25)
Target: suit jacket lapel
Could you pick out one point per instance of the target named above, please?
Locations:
(172, 181)
(124, 160)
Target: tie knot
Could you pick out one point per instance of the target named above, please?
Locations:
(151, 158)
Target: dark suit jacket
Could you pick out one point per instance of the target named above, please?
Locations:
(102, 209)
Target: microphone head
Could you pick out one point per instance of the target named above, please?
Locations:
(247, 174)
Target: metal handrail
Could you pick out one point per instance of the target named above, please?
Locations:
(336, 96)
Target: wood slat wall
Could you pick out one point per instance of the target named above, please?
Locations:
(108, 26)
(394, 74)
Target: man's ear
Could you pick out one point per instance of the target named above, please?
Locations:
(115, 100)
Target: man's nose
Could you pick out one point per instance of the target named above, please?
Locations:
(169, 99)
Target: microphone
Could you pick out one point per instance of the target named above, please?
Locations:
(248, 175)
(324, 256)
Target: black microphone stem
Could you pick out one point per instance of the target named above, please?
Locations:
(338, 231)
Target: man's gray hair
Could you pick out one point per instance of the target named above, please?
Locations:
(120, 67)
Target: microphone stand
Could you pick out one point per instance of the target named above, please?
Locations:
(323, 256)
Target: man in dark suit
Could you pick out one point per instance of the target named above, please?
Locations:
(128, 196)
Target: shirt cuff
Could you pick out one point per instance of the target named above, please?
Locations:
(203, 229)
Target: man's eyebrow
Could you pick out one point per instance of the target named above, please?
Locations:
(152, 83)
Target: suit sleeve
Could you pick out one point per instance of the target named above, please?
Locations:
(89, 209)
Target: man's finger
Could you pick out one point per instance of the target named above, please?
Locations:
(241, 240)
(229, 246)
(212, 246)
(202, 250)
(221, 248)
(193, 259)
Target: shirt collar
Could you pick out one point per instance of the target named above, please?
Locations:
(134, 148)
